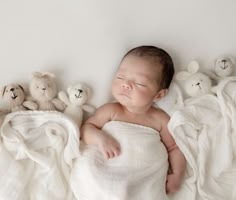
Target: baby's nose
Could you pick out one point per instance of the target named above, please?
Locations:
(126, 86)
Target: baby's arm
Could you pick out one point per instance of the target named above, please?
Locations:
(91, 132)
(176, 157)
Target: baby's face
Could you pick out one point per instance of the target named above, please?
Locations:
(136, 82)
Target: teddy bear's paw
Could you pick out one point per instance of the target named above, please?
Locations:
(30, 105)
(59, 104)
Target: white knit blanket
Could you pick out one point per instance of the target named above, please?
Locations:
(205, 131)
(36, 153)
(138, 173)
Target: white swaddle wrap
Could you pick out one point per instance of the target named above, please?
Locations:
(138, 173)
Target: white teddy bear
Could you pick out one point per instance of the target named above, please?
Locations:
(12, 98)
(43, 93)
(78, 95)
(224, 66)
(196, 83)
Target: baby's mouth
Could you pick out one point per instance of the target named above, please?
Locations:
(124, 94)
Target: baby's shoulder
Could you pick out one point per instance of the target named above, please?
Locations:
(109, 108)
(112, 105)
(160, 115)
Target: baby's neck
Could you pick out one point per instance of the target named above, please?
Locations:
(136, 111)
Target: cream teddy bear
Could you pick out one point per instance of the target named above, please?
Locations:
(224, 67)
(12, 98)
(78, 95)
(43, 93)
(196, 83)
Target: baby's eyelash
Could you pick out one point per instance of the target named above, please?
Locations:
(141, 84)
(119, 78)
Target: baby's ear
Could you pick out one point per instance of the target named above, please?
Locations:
(160, 94)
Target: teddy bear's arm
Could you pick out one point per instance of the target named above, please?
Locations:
(60, 105)
(30, 105)
(88, 108)
(64, 98)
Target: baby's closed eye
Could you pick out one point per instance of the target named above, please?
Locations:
(140, 84)
(120, 78)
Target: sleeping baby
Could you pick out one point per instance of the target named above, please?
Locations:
(133, 155)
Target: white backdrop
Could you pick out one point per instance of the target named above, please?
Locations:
(84, 40)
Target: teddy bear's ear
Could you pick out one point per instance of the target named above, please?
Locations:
(193, 67)
(21, 87)
(88, 91)
(2, 91)
(232, 60)
(69, 89)
(36, 74)
(51, 75)
(183, 75)
(41, 74)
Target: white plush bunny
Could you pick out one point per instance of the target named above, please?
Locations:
(196, 83)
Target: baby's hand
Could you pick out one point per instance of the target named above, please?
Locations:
(173, 182)
(108, 146)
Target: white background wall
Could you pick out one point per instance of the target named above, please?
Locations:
(84, 40)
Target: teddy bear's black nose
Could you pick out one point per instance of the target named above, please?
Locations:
(80, 91)
(12, 89)
(44, 88)
(224, 61)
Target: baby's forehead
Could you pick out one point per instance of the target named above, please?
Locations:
(141, 62)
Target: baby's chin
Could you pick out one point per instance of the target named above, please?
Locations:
(122, 98)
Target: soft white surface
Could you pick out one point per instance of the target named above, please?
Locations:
(139, 172)
(37, 149)
(85, 40)
(36, 153)
(204, 129)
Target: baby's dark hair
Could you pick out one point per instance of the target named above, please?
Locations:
(158, 55)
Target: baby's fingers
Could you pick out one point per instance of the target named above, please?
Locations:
(113, 152)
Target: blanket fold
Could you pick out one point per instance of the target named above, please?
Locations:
(36, 155)
(204, 129)
(138, 173)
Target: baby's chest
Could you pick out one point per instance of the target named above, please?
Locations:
(147, 121)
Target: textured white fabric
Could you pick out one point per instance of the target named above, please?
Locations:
(36, 155)
(138, 173)
(37, 149)
(205, 132)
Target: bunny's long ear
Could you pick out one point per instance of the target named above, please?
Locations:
(193, 67)
(183, 75)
